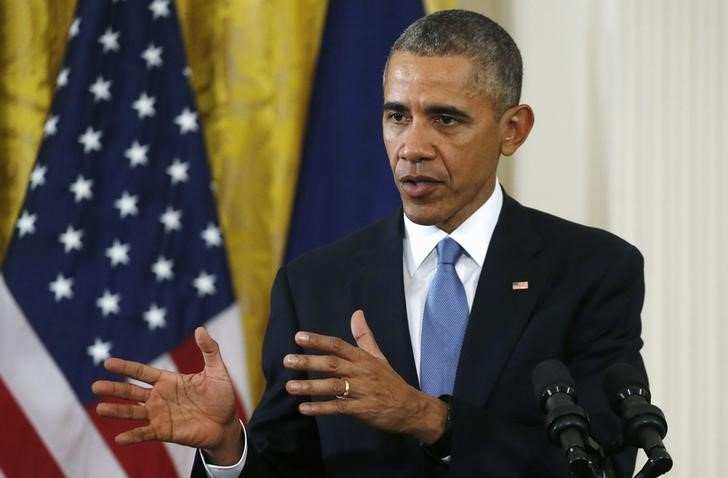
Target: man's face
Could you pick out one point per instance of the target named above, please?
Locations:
(443, 138)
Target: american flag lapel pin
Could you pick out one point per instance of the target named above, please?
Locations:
(520, 285)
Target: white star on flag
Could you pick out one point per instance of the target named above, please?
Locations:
(118, 253)
(100, 89)
(37, 177)
(63, 78)
(178, 171)
(155, 317)
(62, 287)
(144, 105)
(205, 284)
(159, 8)
(81, 188)
(71, 239)
(162, 269)
(127, 205)
(26, 224)
(187, 121)
(109, 40)
(51, 126)
(153, 55)
(99, 351)
(171, 219)
(211, 235)
(137, 154)
(75, 27)
(91, 140)
(108, 303)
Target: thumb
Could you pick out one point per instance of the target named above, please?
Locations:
(364, 336)
(209, 348)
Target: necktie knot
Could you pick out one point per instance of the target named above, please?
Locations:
(448, 251)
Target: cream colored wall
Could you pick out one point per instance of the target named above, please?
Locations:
(630, 136)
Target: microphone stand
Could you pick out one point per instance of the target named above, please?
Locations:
(658, 462)
(599, 464)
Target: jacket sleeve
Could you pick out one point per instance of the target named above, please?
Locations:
(283, 443)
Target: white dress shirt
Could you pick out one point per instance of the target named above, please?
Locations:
(419, 259)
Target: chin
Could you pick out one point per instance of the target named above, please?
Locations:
(422, 218)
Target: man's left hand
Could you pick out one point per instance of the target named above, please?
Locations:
(377, 395)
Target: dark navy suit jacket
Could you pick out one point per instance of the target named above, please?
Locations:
(582, 306)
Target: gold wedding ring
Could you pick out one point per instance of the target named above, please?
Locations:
(344, 395)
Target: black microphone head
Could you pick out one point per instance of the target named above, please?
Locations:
(550, 376)
(621, 379)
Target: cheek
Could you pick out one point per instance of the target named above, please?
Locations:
(389, 136)
(468, 168)
(391, 148)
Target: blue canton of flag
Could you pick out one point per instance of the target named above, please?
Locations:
(117, 249)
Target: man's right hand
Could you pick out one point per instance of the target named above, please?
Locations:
(196, 410)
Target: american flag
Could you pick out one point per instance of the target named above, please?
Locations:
(117, 249)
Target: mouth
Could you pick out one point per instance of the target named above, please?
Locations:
(417, 186)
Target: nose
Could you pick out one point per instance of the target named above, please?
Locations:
(417, 143)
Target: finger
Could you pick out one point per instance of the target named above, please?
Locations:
(136, 435)
(318, 363)
(326, 386)
(363, 335)
(138, 371)
(124, 390)
(327, 344)
(209, 348)
(329, 407)
(126, 411)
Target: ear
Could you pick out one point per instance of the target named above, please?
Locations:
(516, 124)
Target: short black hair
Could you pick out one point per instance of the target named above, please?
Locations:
(495, 56)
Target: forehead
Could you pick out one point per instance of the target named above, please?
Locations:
(447, 76)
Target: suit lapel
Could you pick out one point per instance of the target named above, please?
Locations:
(378, 290)
(501, 309)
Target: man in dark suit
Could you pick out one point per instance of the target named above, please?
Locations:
(344, 394)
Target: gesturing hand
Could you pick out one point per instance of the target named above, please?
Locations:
(377, 395)
(197, 410)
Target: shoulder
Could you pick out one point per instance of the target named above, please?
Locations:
(581, 243)
(555, 229)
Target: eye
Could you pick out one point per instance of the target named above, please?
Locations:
(397, 116)
(446, 120)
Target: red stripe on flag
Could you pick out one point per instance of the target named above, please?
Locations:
(143, 460)
(188, 359)
(22, 452)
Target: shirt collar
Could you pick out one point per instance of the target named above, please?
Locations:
(473, 235)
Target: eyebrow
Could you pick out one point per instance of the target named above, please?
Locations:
(394, 106)
(433, 110)
(447, 110)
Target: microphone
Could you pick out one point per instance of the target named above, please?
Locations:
(643, 424)
(566, 422)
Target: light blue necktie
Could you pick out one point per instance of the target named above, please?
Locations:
(443, 327)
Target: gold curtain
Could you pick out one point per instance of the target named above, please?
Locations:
(252, 65)
(32, 42)
(435, 5)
